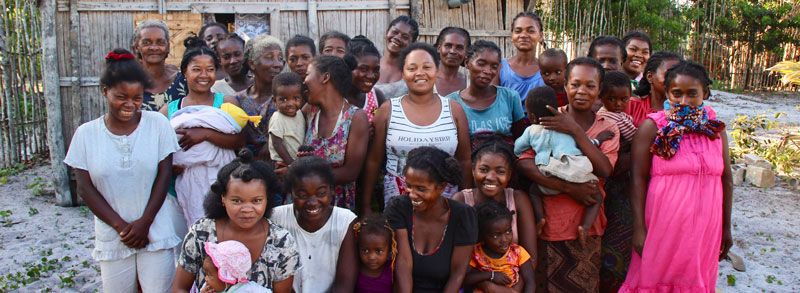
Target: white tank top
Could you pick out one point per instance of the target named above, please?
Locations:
(403, 136)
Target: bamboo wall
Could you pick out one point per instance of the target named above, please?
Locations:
(22, 106)
(484, 19)
(87, 30)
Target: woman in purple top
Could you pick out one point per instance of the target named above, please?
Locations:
(377, 251)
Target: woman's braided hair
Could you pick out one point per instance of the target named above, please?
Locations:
(440, 166)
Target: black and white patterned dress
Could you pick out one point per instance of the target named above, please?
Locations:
(279, 259)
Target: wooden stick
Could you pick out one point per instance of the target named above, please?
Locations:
(52, 96)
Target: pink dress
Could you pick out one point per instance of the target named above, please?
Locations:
(683, 216)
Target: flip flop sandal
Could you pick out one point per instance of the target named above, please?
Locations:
(736, 261)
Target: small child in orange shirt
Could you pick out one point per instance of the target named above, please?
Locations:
(496, 261)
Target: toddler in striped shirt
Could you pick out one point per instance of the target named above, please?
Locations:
(615, 95)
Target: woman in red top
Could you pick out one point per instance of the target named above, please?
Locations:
(651, 87)
(565, 265)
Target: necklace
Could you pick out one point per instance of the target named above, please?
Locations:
(444, 232)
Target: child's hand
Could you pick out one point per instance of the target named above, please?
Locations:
(501, 279)
(207, 289)
(281, 171)
(605, 135)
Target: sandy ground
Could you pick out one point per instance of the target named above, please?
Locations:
(51, 246)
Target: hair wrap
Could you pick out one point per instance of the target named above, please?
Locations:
(117, 57)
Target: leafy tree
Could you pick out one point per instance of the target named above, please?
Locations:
(763, 26)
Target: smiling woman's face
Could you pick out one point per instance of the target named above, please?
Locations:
(419, 72)
(398, 37)
(312, 199)
(583, 87)
(201, 73)
(152, 46)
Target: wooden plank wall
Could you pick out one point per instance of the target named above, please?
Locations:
(101, 31)
(485, 19)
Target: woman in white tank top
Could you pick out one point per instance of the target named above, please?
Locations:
(420, 118)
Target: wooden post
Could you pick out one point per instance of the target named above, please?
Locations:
(392, 10)
(415, 10)
(55, 135)
(275, 24)
(313, 29)
(74, 56)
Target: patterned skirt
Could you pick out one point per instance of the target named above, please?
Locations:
(616, 244)
(568, 266)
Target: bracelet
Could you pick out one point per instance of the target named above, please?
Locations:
(492, 278)
(595, 142)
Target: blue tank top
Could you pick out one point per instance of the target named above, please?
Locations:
(175, 105)
(521, 84)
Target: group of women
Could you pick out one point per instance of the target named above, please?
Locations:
(419, 132)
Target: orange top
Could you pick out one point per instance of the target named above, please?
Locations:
(563, 214)
(508, 264)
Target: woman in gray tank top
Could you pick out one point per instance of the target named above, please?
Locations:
(420, 118)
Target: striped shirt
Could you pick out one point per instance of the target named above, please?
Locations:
(623, 121)
(403, 135)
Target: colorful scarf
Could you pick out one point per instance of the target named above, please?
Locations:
(683, 119)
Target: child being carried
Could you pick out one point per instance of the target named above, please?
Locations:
(557, 155)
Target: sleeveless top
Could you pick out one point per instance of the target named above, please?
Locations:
(370, 104)
(176, 105)
(402, 136)
(334, 149)
(469, 199)
(519, 83)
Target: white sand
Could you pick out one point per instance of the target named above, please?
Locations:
(764, 225)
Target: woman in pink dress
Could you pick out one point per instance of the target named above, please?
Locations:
(681, 192)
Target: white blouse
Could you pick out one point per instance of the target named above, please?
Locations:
(122, 169)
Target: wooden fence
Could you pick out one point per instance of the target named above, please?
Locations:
(574, 23)
(22, 107)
